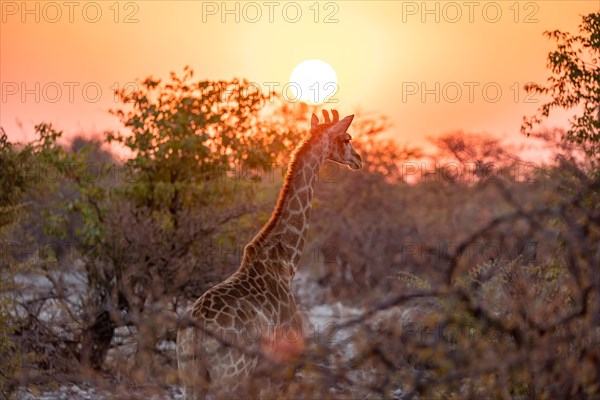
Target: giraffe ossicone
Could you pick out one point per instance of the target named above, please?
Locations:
(252, 316)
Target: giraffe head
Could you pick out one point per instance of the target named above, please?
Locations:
(339, 148)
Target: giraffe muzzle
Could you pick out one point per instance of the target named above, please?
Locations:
(355, 161)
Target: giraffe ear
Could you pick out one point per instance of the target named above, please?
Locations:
(314, 121)
(343, 125)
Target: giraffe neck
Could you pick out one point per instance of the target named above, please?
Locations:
(282, 239)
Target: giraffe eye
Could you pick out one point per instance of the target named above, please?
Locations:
(347, 141)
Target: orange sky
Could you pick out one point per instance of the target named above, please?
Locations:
(60, 61)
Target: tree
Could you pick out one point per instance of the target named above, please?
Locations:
(575, 83)
(12, 184)
(470, 157)
(197, 147)
(382, 156)
(17, 176)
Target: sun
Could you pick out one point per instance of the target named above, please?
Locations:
(313, 81)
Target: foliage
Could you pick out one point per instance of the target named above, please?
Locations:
(12, 184)
(495, 305)
(17, 176)
(382, 156)
(575, 83)
(185, 131)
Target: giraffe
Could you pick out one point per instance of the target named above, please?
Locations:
(253, 313)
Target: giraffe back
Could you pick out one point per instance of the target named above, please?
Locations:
(238, 322)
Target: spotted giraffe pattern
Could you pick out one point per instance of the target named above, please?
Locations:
(251, 313)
